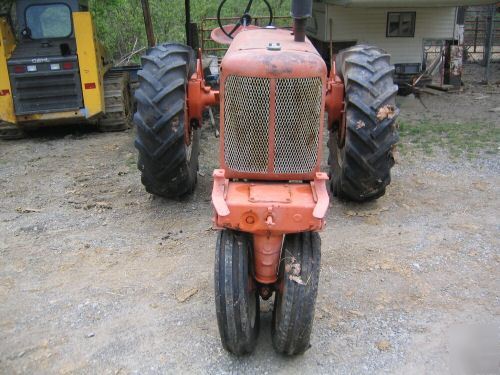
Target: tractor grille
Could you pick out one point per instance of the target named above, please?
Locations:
(246, 123)
(247, 109)
(298, 110)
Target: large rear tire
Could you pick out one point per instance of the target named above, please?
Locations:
(236, 297)
(360, 164)
(295, 299)
(169, 165)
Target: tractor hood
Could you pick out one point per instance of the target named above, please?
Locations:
(407, 3)
(272, 53)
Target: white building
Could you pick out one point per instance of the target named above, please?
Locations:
(402, 28)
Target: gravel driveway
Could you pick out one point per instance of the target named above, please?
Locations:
(97, 276)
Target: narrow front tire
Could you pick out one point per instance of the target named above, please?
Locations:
(236, 296)
(295, 299)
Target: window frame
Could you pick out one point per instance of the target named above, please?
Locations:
(414, 24)
(48, 4)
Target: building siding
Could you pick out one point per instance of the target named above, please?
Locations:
(368, 25)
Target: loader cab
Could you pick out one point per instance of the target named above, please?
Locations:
(42, 20)
(44, 69)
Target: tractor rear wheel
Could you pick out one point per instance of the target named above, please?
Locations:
(236, 296)
(361, 160)
(168, 158)
(295, 299)
(117, 116)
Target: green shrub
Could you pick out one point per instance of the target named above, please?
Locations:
(120, 23)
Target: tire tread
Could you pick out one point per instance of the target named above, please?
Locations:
(163, 161)
(367, 155)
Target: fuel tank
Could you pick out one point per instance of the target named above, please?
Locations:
(272, 53)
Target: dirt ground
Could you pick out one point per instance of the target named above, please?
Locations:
(97, 276)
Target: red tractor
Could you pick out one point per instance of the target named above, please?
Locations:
(269, 195)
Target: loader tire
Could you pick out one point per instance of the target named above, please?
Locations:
(117, 116)
(169, 166)
(295, 299)
(9, 132)
(236, 297)
(360, 165)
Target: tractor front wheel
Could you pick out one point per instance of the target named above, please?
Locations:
(236, 296)
(295, 299)
(361, 156)
(168, 158)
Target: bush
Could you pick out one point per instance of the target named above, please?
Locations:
(120, 23)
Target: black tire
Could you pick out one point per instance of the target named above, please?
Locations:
(169, 167)
(294, 303)
(118, 108)
(236, 298)
(9, 132)
(360, 168)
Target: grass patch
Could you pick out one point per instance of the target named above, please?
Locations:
(469, 139)
(131, 162)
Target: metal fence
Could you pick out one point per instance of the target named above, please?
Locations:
(475, 33)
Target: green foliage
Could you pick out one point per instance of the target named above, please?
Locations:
(120, 23)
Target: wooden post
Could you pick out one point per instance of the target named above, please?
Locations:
(187, 9)
(148, 23)
(488, 45)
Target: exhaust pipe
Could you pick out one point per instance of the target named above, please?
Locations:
(301, 11)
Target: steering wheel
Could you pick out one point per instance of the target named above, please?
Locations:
(245, 19)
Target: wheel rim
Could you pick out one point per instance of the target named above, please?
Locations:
(189, 147)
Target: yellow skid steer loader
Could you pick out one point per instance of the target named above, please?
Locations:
(53, 70)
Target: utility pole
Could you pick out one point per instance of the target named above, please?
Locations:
(148, 23)
(490, 29)
(187, 9)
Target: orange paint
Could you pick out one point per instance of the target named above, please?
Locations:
(287, 208)
(199, 95)
(248, 56)
(267, 251)
(269, 205)
(334, 101)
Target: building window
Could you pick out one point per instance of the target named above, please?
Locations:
(401, 24)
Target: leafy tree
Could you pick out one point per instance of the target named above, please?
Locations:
(120, 23)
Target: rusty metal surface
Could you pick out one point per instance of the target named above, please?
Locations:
(218, 35)
(209, 24)
(288, 208)
(273, 107)
(200, 96)
(268, 211)
(267, 251)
